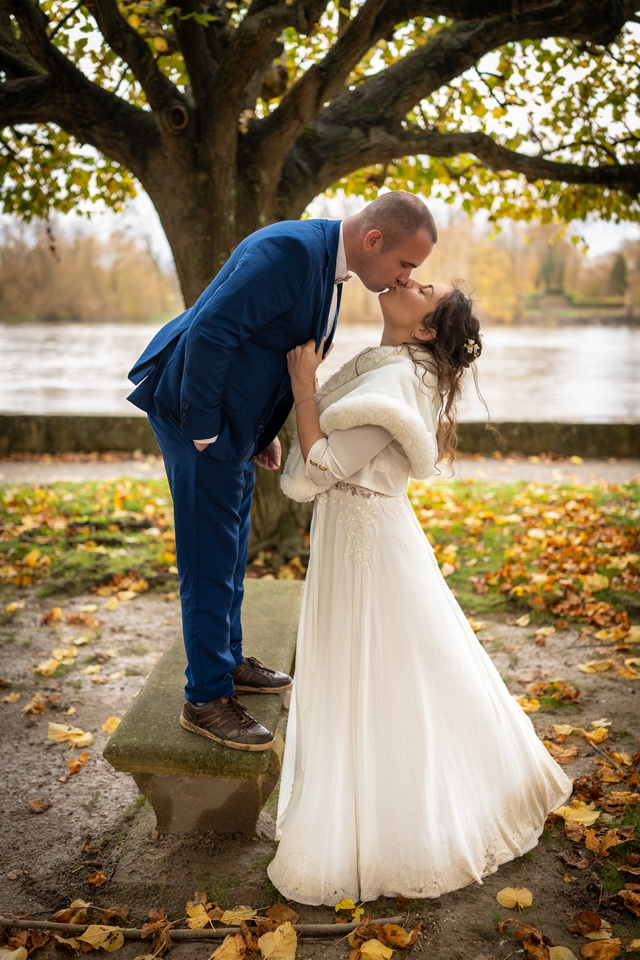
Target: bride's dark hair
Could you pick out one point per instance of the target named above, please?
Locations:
(453, 349)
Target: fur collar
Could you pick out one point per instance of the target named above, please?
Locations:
(380, 386)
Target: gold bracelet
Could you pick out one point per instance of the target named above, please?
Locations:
(303, 401)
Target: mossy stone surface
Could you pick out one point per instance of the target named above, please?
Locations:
(150, 738)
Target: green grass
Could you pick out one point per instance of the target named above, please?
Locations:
(508, 548)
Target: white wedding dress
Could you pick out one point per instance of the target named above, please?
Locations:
(409, 769)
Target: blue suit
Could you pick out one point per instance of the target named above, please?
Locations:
(220, 369)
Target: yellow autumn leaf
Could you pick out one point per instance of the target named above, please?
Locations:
(563, 729)
(512, 897)
(92, 669)
(477, 625)
(279, 944)
(112, 603)
(596, 666)
(346, 904)
(198, 917)
(71, 942)
(134, 21)
(111, 724)
(375, 949)
(48, 667)
(65, 733)
(234, 917)
(633, 636)
(12, 697)
(524, 620)
(576, 459)
(20, 954)
(529, 706)
(447, 569)
(579, 812)
(561, 953)
(596, 735)
(604, 932)
(595, 581)
(233, 947)
(106, 938)
(32, 557)
(160, 44)
(357, 914)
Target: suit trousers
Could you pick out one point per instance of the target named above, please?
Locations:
(212, 503)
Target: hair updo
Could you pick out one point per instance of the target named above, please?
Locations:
(457, 343)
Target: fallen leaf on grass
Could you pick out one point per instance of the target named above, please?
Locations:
(634, 945)
(601, 845)
(39, 805)
(111, 724)
(232, 947)
(524, 620)
(97, 878)
(512, 897)
(579, 812)
(626, 899)
(561, 953)
(65, 733)
(280, 944)
(601, 950)
(101, 937)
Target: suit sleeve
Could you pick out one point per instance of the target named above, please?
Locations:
(269, 279)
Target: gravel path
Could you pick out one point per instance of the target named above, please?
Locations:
(488, 469)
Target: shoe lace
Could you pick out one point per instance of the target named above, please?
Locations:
(256, 665)
(239, 710)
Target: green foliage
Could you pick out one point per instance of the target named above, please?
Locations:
(560, 99)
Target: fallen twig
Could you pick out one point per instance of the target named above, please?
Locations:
(204, 933)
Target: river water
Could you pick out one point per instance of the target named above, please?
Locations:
(582, 374)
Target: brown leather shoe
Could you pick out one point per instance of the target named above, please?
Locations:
(226, 721)
(253, 677)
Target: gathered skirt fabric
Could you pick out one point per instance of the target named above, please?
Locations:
(409, 769)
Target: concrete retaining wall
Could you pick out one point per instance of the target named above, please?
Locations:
(65, 434)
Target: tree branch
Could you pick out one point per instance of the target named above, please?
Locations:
(395, 91)
(312, 167)
(133, 49)
(15, 59)
(251, 41)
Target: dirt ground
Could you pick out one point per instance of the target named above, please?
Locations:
(97, 821)
(42, 863)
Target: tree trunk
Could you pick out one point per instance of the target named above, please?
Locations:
(203, 227)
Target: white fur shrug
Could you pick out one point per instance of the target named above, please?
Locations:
(382, 387)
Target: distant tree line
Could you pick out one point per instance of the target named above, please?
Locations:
(522, 272)
(60, 274)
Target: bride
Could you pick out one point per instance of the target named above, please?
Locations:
(408, 768)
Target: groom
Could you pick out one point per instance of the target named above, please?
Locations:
(214, 383)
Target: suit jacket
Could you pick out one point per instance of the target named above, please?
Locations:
(220, 367)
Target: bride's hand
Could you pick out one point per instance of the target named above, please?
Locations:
(303, 361)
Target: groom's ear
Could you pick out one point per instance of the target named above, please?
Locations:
(372, 240)
(424, 334)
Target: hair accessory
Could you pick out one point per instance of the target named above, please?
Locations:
(472, 347)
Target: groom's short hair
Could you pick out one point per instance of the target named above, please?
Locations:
(398, 214)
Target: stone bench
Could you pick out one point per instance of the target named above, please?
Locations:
(193, 783)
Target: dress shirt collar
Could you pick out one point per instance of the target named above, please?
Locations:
(341, 260)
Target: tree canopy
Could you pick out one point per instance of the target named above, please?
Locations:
(236, 113)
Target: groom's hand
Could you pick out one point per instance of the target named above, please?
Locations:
(270, 457)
